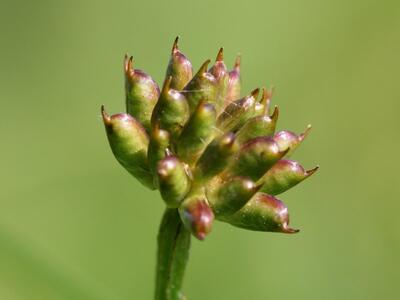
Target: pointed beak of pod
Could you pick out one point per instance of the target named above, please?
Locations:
(219, 69)
(234, 85)
(128, 65)
(179, 67)
(141, 93)
(105, 115)
(203, 68)
(312, 171)
(275, 114)
(175, 46)
(306, 132)
(220, 55)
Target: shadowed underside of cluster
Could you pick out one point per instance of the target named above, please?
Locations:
(212, 153)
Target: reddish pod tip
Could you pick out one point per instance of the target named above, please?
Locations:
(238, 59)
(128, 63)
(106, 117)
(286, 229)
(275, 113)
(305, 133)
(220, 55)
(175, 45)
(203, 68)
(312, 171)
(254, 93)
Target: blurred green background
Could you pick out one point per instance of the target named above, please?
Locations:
(75, 225)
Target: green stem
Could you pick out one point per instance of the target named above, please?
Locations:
(172, 256)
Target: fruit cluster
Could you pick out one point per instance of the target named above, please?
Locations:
(211, 153)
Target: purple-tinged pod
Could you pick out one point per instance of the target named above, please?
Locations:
(197, 133)
(238, 112)
(221, 74)
(171, 111)
(202, 87)
(284, 175)
(197, 216)
(234, 84)
(255, 158)
(179, 67)
(142, 93)
(288, 140)
(228, 197)
(158, 145)
(262, 213)
(216, 157)
(173, 181)
(258, 126)
(129, 141)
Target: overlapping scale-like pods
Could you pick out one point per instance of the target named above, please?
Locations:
(212, 153)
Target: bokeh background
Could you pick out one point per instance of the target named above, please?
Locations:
(75, 225)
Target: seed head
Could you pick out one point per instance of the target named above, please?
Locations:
(212, 153)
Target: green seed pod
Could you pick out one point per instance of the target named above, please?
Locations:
(159, 143)
(258, 126)
(234, 86)
(128, 140)
(255, 158)
(262, 213)
(284, 175)
(202, 87)
(179, 67)
(221, 74)
(216, 157)
(173, 181)
(238, 112)
(142, 93)
(197, 133)
(171, 111)
(197, 215)
(288, 140)
(228, 197)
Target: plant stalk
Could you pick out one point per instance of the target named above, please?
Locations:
(172, 256)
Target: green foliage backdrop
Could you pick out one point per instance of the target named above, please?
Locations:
(75, 225)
